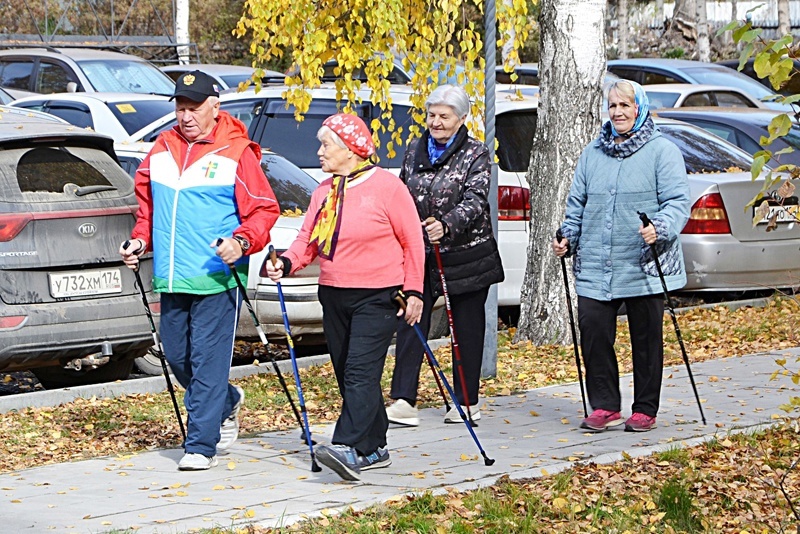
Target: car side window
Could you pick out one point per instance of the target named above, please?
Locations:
(72, 112)
(698, 99)
(51, 78)
(659, 77)
(16, 73)
(626, 73)
(729, 99)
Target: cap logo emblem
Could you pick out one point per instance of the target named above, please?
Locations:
(188, 79)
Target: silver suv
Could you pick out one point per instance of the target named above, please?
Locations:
(69, 309)
(27, 71)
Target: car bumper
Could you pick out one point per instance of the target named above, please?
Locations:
(512, 242)
(54, 333)
(302, 308)
(722, 263)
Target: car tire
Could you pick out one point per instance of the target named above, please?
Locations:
(439, 325)
(150, 363)
(58, 377)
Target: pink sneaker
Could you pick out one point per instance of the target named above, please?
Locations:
(640, 422)
(602, 419)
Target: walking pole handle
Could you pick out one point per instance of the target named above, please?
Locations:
(400, 297)
(273, 256)
(644, 218)
(126, 244)
(559, 236)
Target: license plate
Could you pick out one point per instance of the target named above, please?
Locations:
(85, 283)
(785, 214)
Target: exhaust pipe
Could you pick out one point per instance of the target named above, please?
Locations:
(92, 361)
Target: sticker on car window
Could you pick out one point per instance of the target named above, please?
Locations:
(126, 108)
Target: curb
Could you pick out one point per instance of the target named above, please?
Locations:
(154, 384)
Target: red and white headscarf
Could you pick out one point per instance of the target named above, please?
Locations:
(353, 132)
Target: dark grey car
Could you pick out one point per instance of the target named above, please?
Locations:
(69, 309)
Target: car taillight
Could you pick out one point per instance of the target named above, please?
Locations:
(513, 203)
(708, 216)
(12, 224)
(12, 321)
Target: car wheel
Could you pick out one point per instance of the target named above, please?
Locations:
(150, 363)
(439, 326)
(58, 377)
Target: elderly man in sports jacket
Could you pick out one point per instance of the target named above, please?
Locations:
(202, 181)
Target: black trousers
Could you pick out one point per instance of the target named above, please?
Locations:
(598, 324)
(358, 325)
(469, 319)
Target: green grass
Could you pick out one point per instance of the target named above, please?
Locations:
(674, 497)
(674, 455)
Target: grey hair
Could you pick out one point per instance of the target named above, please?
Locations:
(450, 95)
(213, 100)
(325, 131)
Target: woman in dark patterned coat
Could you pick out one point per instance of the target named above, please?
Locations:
(448, 175)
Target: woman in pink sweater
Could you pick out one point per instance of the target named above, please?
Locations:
(362, 224)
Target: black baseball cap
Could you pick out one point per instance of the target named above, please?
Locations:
(195, 85)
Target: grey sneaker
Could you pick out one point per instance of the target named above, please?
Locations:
(402, 413)
(379, 458)
(342, 459)
(229, 431)
(196, 462)
(454, 417)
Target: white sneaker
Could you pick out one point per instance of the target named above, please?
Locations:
(454, 417)
(402, 413)
(229, 431)
(196, 462)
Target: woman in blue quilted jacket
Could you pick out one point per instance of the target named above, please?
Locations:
(629, 168)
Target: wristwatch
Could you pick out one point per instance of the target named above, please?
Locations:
(243, 242)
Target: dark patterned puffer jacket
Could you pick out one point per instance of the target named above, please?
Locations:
(455, 191)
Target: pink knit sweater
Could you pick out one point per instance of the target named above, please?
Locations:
(380, 236)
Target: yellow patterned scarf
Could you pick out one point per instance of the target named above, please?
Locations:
(329, 217)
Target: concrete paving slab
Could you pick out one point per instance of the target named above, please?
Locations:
(267, 479)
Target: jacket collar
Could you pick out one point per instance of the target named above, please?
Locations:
(421, 160)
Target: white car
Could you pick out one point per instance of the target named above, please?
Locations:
(227, 76)
(683, 95)
(121, 116)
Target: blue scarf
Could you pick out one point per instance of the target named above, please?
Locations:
(435, 150)
(641, 100)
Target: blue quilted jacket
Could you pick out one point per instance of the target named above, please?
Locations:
(611, 260)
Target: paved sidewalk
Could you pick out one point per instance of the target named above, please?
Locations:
(267, 479)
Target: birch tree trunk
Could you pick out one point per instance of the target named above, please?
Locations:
(182, 29)
(571, 68)
(660, 11)
(622, 28)
(684, 19)
(784, 24)
(703, 44)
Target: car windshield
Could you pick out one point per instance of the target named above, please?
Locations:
(661, 100)
(729, 78)
(297, 141)
(57, 173)
(134, 115)
(126, 76)
(705, 153)
(292, 186)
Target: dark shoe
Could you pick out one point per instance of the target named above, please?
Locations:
(379, 458)
(343, 460)
(640, 422)
(601, 420)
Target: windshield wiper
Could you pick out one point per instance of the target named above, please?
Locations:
(90, 189)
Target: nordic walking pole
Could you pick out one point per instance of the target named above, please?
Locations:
(456, 349)
(157, 346)
(307, 429)
(400, 298)
(560, 238)
(646, 222)
(264, 342)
